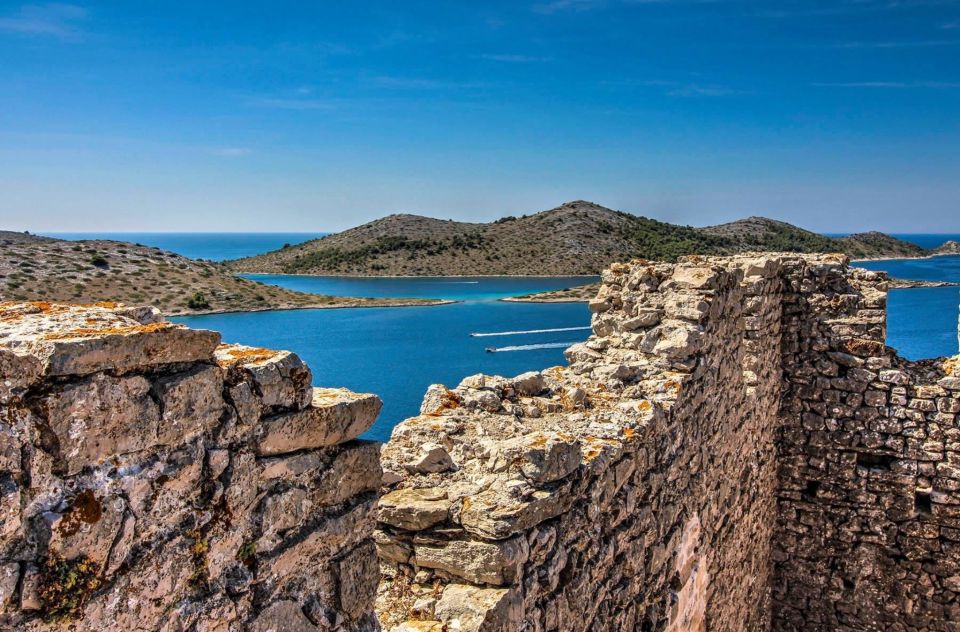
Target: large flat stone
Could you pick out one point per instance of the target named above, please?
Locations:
(83, 339)
(334, 416)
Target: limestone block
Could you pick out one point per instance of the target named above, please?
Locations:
(475, 609)
(281, 378)
(693, 278)
(497, 563)
(357, 573)
(282, 616)
(102, 416)
(531, 383)
(87, 526)
(503, 510)
(192, 403)
(542, 457)
(18, 371)
(78, 340)
(9, 575)
(414, 509)
(334, 416)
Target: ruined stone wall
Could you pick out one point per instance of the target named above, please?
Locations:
(633, 490)
(734, 448)
(153, 479)
(868, 535)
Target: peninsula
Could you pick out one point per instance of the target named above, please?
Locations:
(34, 268)
(573, 239)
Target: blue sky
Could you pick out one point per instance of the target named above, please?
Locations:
(164, 115)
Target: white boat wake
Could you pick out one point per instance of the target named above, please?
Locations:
(546, 345)
(530, 331)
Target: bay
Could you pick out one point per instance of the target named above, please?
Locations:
(398, 352)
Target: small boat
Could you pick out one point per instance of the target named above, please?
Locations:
(491, 349)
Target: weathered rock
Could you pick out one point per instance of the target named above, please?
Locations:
(414, 509)
(473, 609)
(334, 416)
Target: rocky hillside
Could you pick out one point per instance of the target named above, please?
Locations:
(948, 248)
(575, 238)
(43, 269)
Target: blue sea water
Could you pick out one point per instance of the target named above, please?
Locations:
(212, 246)
(922, 322)
(398, 352)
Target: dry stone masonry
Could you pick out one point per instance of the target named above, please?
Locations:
(733, 449)
(154, 479)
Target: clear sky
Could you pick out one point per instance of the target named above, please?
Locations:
(835, 115)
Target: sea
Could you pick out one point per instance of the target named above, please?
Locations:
(398, 352)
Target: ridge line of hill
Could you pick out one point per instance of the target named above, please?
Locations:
(576, 238)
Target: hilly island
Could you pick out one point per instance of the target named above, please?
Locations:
(44, 269)
(576, 238)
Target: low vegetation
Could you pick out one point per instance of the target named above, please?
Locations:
(576, 238)
(44, 269)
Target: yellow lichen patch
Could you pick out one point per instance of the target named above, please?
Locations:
(87, 332)
(245, 355)
(629, 432)
(951, 366)
(644, 405)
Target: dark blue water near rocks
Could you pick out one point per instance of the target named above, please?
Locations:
(922, 322)
(397, 352)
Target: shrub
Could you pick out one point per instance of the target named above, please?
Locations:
(98, 260)
(198, 301)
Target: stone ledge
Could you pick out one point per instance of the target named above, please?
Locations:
(66, 340)
(335, 415)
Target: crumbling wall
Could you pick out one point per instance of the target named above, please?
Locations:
(634, 489)
(868, 535)
(734, 448)
(153, 479)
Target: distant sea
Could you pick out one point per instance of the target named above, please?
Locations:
(398, 352)
(212, 246)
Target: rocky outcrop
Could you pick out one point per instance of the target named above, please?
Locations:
(948, 248)
(734, 448)
(154, 479)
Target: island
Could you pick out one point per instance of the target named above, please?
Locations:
(34, 268)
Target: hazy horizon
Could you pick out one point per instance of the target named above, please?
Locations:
(833, 115)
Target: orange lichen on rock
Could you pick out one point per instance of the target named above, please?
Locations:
(87, 332)
(244, 355)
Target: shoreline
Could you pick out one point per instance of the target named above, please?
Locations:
(425, 303)
(930, 256)
(423, 276)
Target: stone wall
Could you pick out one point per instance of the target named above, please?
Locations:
(153, 479)
(868, 532)
(734, 448)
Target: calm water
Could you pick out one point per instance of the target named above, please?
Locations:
(922, 323)
(398, 352)
(213, 246)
